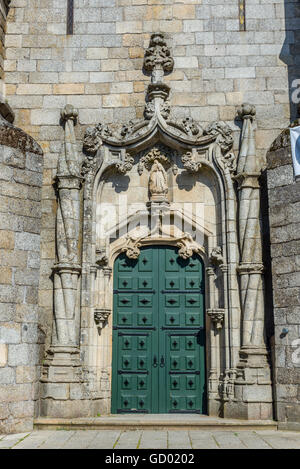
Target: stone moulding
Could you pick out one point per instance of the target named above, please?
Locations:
(186, 244)
(11, 136)
(158, 114)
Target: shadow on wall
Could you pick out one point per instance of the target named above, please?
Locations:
(290, 53)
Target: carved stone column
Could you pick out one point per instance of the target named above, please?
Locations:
(253, 384)
(62, 362)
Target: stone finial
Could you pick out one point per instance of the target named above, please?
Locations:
(69, 113)
(157, 58)
(246, 111)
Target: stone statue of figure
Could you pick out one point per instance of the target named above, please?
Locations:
(158, 186)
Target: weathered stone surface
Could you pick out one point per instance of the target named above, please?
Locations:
(99, 70)
(284, 198)
(21, 169)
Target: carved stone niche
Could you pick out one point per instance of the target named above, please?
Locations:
(101, 317)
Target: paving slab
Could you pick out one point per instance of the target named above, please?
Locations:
(281, 440)
(11, 440)
(152, 439)
(57, 439)
(81, 439)
(129, 439)
(228, 440)
(105, 439)
(203, 440)
(179, 440)
(34, 440)
(253, 441)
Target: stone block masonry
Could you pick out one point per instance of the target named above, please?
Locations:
(21, 167)
(284, 213)
(98, 69)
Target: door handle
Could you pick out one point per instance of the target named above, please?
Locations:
(162, 361)
(155, 361)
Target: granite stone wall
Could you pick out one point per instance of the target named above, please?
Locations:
(284, 216)
(99, 70)
(4, 6)
(20, 222)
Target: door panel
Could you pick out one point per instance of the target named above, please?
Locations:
(158, 333)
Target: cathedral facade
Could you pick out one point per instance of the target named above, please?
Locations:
(149, 235)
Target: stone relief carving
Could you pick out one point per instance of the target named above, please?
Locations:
(157, 113)
(187, 246)
(188, 162)
(13, 137)
(101, 317)
(216, 256)
(92, 140)
(158, 58)
(101, 258)
(158, 186)
(160, 153)
(217, 317)
(125, 165)
(132, 248)
(185, 243)
(223, 134)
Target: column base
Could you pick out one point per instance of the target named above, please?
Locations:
(253, 398)
(62, 365)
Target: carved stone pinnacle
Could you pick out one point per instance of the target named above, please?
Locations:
(157, 58)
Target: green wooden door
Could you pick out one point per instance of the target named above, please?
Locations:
(158, 333)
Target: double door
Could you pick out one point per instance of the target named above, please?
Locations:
(158, 333)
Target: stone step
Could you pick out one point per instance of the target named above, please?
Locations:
(153, 422)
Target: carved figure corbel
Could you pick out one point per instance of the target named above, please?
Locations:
(217, 317)
(216, 256)
(101, 258)
(101, 317)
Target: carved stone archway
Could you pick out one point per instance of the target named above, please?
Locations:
(162, 155)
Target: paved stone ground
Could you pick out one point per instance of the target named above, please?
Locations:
(151, 439)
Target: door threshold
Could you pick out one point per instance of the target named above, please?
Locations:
(152, 422)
